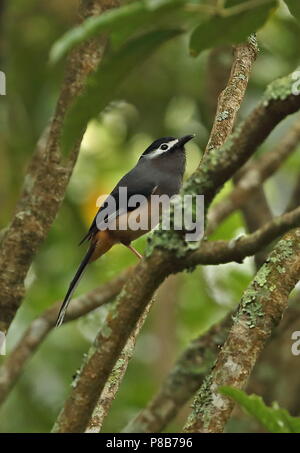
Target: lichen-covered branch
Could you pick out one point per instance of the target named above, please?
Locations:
(186, 377)
(114, 381)
(253, 176)
(260, 310)
(182, 381)
(47, 177)
(216, 77)
(281, 383)
(220, 164)
(217, 252)
(37, 331)
(231, 97)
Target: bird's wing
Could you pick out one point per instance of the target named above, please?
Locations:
(137, 182)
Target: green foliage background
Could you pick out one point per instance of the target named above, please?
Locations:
(171, 93)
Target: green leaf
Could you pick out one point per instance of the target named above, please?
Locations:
(102, 85)
(294, 7)
(274, 419)
(120, 23)
(231, 28)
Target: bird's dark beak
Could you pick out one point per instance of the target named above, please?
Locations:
(183, 140)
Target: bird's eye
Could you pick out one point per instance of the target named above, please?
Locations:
(164, 147)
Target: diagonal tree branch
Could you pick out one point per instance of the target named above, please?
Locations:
(217, 252)
(188, 373)
(113, 383)
(220, 164)
(260, 310)
(231, 97)
(182, 382)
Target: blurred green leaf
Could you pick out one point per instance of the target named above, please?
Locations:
(120, 23)
(102, 85)
(294, 7)
(231, 28)
(274, 419)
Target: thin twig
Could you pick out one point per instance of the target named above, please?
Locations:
(217, 252)
(114, 381)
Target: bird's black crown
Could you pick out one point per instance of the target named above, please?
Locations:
(156, 144)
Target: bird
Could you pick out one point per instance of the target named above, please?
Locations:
(159, 171)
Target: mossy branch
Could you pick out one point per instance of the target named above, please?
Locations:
(114, 381)
(260, 310)
(182, 382)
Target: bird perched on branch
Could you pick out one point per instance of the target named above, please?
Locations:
(159, 171)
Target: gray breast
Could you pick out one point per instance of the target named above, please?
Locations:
(167, 171)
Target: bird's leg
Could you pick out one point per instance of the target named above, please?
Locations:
(134, 251)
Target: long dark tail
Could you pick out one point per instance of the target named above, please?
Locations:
(73, 286)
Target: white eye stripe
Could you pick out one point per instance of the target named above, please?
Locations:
(169, 144)
(157, 152)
